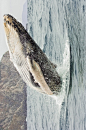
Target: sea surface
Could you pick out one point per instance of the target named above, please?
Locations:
(59, 28)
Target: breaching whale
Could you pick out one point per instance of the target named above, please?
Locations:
(32, 64)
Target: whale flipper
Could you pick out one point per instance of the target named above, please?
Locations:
(38, 76)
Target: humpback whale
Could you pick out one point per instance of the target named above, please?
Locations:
(32, 64)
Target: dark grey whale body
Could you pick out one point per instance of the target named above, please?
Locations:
(30, 61)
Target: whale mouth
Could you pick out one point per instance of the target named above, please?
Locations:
(13, 23)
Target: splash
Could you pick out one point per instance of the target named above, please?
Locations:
(64, 72)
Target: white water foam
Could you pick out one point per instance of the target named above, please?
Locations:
(64, 72)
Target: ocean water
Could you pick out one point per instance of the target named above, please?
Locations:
(59, 28)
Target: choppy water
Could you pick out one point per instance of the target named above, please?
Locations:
(59, 28)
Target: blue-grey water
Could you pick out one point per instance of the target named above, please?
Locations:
(59, 28)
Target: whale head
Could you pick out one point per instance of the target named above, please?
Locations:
(16, 34)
